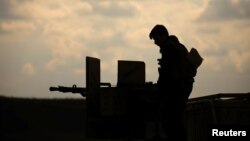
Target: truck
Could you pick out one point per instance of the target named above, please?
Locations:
(128, 110)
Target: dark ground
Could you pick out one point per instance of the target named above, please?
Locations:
(42, 119)
(65, 119)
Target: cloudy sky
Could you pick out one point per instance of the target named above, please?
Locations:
(44, 43)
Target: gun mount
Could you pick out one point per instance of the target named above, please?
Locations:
(115, 112)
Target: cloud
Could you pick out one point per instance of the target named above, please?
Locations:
(41, 10)
(114, 9)
(54, 64)
(240, 60)
(55, 36)
(13, 26)
(223, 32)
(6, 10)
(79, 71)
(65, 53)
(28, 69)
(224, 10)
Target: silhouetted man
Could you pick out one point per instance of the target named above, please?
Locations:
(174, 85)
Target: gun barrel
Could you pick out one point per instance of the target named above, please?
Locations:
(72, 89)
(54, 89)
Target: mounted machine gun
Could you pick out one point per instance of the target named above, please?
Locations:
(115, 112)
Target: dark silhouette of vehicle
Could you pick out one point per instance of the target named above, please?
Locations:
(127, 111)
(116, 112)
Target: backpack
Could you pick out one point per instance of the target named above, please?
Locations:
(193, 61)
(186, 69)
